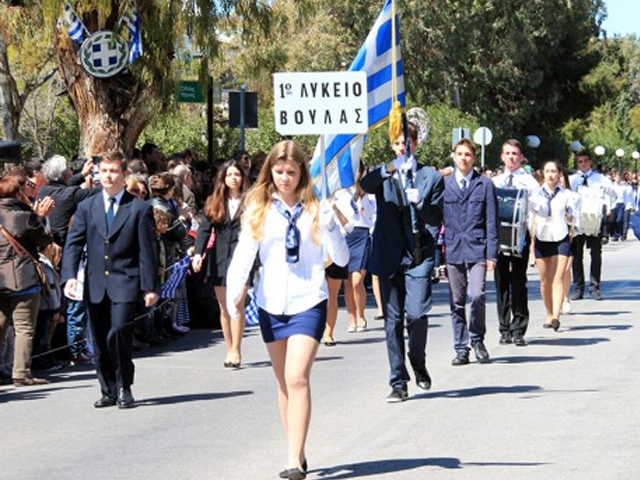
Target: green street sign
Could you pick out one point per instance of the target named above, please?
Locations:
(190, 92)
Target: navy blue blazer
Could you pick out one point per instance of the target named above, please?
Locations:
(391, 244)
(470, 220)
(124, 263)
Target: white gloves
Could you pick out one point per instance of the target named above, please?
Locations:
(404, 163)
(327, 217)
(413, 195)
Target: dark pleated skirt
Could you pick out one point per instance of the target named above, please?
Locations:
(277, 327)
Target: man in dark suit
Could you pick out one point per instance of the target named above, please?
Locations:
(122, 263)
(471, 246)
(409, 200)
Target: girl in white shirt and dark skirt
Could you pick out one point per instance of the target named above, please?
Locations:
(292, 232)
(553, 243)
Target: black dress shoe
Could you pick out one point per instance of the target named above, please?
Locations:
(423, 379)
(105, 401)
(518, 339)
(125, 398)
(482, 355)
(506, 338)
(462, 358)
(595, 294)
(577, 295)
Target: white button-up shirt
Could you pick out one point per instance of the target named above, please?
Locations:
(553, 226)
(284, 288)
(365, 208)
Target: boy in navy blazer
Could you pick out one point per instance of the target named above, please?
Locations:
(471, 247)
(405, 281)
(122, 265)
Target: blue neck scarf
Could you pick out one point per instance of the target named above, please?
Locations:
(292, 238)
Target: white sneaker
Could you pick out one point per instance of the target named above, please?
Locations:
(566, 306)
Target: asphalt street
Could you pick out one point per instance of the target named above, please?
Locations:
(563, 407)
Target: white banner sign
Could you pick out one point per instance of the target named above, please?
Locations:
(315, 103)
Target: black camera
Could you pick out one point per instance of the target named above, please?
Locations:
(10, 152)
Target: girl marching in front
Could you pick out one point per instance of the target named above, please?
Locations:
(222, 220)
(552, 243)
(292, 232)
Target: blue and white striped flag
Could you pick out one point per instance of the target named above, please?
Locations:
(176, 277)
(131, 19)
(343, 152)
(77, 31)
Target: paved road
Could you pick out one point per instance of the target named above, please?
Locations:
(564, 407)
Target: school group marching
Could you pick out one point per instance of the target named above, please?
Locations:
(293, 251)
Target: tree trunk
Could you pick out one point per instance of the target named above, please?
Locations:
(9, 101)
(109, 110)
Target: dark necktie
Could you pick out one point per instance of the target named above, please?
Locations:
(510, 181)
(585, 182)
(408, 177)
(292, 237)
(550, 196)
(463, 185)
(111, 212)
(354, 204)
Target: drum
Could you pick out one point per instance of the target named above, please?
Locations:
(591, 210)
(512, 217)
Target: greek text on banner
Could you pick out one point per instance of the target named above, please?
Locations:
(314, 103)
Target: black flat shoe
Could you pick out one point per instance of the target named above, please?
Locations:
(555, 324)
(305, 469)
(293, 474)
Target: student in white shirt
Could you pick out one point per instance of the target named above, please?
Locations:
(360, 210)
(573, 225)
(511, 271)
(292, 232)
(553, 243)
(587, 177)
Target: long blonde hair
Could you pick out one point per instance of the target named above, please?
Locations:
(259, 198)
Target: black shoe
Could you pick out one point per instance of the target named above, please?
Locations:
(577, 295)
(518, 339)
(285, 473)
(398, 394)
(506, 338)
(125, 398)
(293, 474)
(423, 379)
(462, 358)
(595, 294)
(105, 401)
(482, 355)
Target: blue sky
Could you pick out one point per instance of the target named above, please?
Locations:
(623, 17)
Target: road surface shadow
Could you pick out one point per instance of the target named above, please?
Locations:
(531, 359)
(12, 394)
(192, 397)
(479, 391)
(578, 328)
(568, 342)
(389, 466)
(605, 313)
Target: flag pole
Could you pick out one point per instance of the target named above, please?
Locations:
(395, 115)
(323, 168)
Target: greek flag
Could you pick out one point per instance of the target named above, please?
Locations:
(77, 30)
(343, 152)
(176, 277)
(131, 19)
